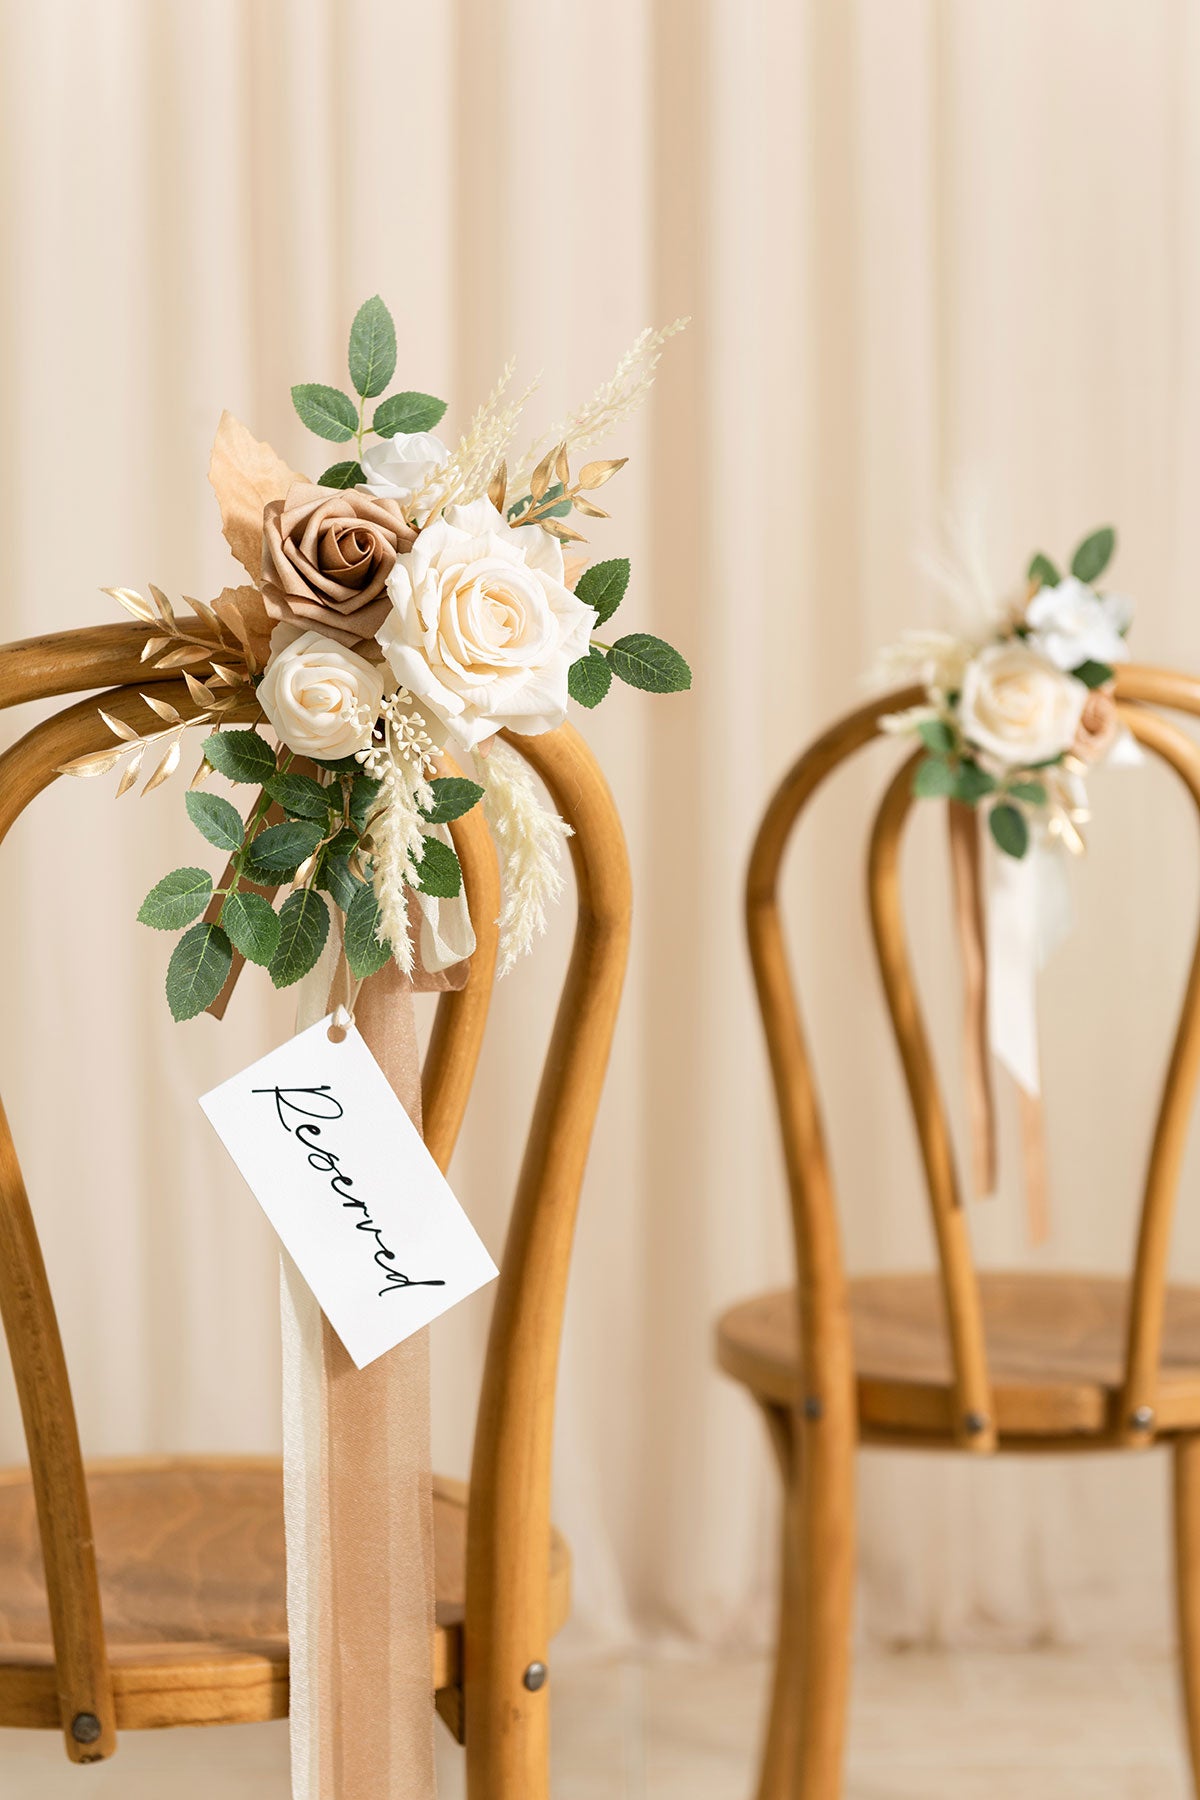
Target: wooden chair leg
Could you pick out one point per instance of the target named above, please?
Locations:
(1187, 1587)
(806, 1728)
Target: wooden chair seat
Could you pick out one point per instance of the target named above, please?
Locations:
(191, 1560)
(1055, 1346)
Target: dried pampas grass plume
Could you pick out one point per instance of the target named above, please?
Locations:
(529, 841)
(473, 463)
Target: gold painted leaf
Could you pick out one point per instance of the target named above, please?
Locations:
(595, 474)
(97, 762)
(230, 677)
(201, 776)
(589, 511)
(539, 481)
(119, 728)
(152, 646)
(204, 611)
(197, 690)
(180, 658)
(164, 606)
(163, 708)
(165, 769)
(562, 532)
(498, 487)
(133, 603)
(562, 467)
(130, 772)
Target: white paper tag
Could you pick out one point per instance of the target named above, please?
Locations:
(342, 1173)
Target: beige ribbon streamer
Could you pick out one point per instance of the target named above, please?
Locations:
(358, 1503)
(967, 878)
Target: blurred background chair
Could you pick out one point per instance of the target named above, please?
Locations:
(149, 1592)
(949, 1358)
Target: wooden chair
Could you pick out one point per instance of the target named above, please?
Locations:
(981, 1363)
(151, 1593)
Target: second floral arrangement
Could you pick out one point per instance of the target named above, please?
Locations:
(405, 609)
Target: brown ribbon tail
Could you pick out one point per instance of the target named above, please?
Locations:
(965, 868)
(1033, 1161)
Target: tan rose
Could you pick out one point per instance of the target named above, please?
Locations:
(327, 555)
(1099, 724)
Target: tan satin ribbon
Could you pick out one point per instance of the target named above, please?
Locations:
(966, 872)
(359, 1506)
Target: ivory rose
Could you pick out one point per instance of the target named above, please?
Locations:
(1072, 624)
(399, 466)
(483, 629)
(322, 699)
(327, 554)
(1019, 708)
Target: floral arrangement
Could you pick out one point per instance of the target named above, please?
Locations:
(407, 607)
(1015, 718)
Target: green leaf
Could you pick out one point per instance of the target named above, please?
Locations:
(971, 783)
(934, 779)
(343, 475)
(589, 679)
(936, 735)
(197, 970)
(603, 586)
(280, 849)
(216, 820)
(1094, 554)
(240, 756)
(407, 412)
(438, 872)
(303, 928)
(326, 410)
(301, 797)
(372, 348)
(345, 841)
(364, 952)
(646, 662)
(335, 877)
(176, 900)
(341, 765)
(1032, 792)
(363, 795)
(1043, 570)
(554, 512)
(1009, 829)
(1093, 674)
(453, 795)
(253, 925)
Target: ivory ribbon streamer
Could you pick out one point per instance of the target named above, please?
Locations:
(358, 1503)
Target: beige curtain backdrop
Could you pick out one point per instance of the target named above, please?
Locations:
(928, 250)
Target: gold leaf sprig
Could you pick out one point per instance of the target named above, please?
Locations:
(181, 644)
(143, 745)
(543, 502)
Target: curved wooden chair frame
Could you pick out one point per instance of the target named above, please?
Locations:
(815, 1444)
(507, 1622)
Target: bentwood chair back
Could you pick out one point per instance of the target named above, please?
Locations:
(952, 1359)
(151, 1593)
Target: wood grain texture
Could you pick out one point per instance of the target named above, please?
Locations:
(1186, 1518)
(195, 1637)
(192, 1583)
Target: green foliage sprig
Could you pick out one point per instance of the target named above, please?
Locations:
(334, 416)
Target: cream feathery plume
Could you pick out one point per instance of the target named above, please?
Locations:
(615, 400)
(529, 840)
(401, 764)
(465, 476)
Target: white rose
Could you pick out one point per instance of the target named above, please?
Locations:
(483, 629)
(398, 467)
(1018, 707)
(322, 699)
(1073, 624)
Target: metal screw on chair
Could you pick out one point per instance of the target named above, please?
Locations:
(974, 1424)
(1142, 1418)
(812, 1407)
(85, 1728)
(535, 1676)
